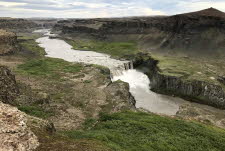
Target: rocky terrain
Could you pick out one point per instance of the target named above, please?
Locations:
(8, 42)
(58, 105)
(177, 42)
(66, 95)
(14, 132)
(17, 25)
(190, 33)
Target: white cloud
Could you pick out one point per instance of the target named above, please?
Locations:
(199, 5)
(90, 5)
(10, 4)
(102, 8)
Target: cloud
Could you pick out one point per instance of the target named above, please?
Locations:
(11, 4)
(102, 8)
(199, 5)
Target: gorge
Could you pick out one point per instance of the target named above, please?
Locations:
(113, 84)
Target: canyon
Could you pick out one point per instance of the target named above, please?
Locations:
(87, 84)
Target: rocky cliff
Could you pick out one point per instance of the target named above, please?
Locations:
(198, 91)
(8, 42)
(14, 132)
(17, 25)
(201, 31)
(8, 86)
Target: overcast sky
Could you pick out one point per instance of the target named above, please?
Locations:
(102, 8)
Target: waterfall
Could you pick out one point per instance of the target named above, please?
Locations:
(117, 71)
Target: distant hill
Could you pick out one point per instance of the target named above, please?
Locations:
(207, 12)
(202, 31)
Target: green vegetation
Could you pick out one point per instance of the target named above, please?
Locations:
(33, 46)
(48, 67)
(35, 111)
(116, 49)
(189, 68)
(130, 131)
(27, 42)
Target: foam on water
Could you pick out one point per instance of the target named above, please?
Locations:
(140, 89)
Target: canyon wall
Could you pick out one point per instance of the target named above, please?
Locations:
(196, 91)
(202, 31)
(8, 42)
(14, 132)
(8, 86)
(17, 25)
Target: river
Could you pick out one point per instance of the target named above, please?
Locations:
(138, 81)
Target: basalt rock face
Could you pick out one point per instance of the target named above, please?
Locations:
(8, 42)
(17, 25)
(202, 31)
(14, 133)
(119, 97)
(8, 87)
(105, 27)
(196, 91)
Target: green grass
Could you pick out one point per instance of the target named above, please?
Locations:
(188, 68)
(32, 45)
(130, 131)
(35, 111)
(116, 49)
(48, 67)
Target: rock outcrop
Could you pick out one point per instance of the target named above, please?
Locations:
(196, 91)
(14, 133)
(8, 86)
(8, 42)
(119, 97)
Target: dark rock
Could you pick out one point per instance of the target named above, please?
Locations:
(8, 86)
(221, 79)
(118, 97)
(8, 42)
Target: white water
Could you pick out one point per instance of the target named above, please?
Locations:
(138, 81)
(146, 99)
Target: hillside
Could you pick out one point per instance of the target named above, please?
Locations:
(196, 32)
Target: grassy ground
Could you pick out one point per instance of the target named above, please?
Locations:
(115, 49)
(27, 42)
(35, 111)
(129, 131)
(191, 68)
(49, 68)
(75, 95)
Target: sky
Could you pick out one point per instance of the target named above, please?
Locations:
(102, 8)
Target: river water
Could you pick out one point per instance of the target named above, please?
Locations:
(138, 81)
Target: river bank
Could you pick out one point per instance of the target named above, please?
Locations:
(77, 99)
